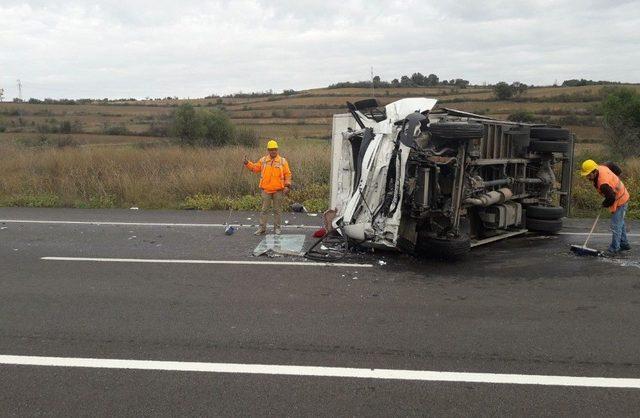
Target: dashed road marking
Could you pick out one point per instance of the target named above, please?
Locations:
(228, 262)
(315, 371)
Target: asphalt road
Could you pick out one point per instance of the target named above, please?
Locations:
(521, 306)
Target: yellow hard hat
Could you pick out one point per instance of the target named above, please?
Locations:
(587, 167)
(272, 144)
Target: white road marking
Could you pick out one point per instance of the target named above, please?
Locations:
(314, 371)
(101, 223)
(231, 262)
(595, 234)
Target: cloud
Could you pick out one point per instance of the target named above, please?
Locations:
(194, 48)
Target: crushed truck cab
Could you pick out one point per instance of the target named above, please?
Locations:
(414, 177)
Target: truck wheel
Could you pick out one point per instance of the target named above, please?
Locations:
(450, 130)
(549, 226)
(545, 212)
(549, 146)
(445, 248)
(551, 134)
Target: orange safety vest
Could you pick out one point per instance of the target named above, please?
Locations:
(606, 176)
(275, 174)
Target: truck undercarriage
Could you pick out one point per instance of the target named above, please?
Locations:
(413, 177)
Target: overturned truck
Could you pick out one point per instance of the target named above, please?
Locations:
(414, 177)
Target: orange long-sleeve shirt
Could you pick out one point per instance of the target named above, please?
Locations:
(275, 173)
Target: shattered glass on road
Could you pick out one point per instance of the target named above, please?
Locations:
(279, 245)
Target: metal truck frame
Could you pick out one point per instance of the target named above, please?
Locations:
(412, 177)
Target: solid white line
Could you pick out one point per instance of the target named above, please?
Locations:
(30, 221)
(598, 234)
(231, 262)
(341, 372)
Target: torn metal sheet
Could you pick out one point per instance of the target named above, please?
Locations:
(274, 245)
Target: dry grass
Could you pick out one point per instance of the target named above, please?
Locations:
(82, 139)
(107, 171)
(151, 178)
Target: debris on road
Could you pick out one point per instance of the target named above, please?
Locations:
(299, 208)
(134, 208)
(288, 244)
(382, 263)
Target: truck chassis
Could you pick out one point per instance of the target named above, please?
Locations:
(413, 177)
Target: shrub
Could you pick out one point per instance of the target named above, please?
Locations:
(201, 127)
(33, 201)
(203, 201)
(106, 201)
(65, 127)
(115, 130)
(186, 125)
(246, 136)
(522, 116)
(502, 91)
(218, 129)
(621, 110)
(246, 202)
(316, 205)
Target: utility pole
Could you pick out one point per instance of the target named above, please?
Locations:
(1, 94)
(373, 87)
(19, 90)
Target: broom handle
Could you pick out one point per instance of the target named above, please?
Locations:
(591, 232)
(231, 209)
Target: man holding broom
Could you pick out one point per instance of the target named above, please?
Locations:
(616, 197)
(275, 183)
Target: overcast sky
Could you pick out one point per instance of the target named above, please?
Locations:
(189, 48)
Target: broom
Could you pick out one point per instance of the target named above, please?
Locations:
(584, 250)
(230, 229)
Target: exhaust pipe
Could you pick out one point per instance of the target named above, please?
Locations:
(491, 198)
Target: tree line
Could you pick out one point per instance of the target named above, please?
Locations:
(415, 80)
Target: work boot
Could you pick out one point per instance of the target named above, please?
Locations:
(625, 247)
(611, 254)
(277, 231)
(260, 231)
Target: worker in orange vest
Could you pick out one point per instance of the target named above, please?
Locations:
(275, 183)
(616, 198)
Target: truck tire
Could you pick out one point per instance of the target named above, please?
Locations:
(451, 130)
(549, 226)
(549, 146)
(445, 248)
(545, 212)
(550, 134)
